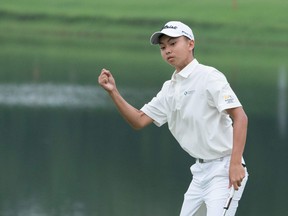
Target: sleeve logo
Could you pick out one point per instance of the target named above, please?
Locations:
(229, 99)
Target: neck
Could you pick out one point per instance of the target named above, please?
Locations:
(185, 63)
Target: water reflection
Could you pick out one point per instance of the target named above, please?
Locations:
(76, 157)
(61, 95)
(65, 151)
(34, 207)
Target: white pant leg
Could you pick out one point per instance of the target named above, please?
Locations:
(217, 198)
(193, 202)
(210, 185)
(193, 199)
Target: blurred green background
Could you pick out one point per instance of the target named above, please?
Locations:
(64, 150)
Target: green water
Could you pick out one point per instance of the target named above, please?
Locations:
(88, 161)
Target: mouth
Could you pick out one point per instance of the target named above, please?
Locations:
(170, 58)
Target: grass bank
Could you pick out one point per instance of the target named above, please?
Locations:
(71, 41)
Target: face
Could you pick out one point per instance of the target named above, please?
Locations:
(176, 51)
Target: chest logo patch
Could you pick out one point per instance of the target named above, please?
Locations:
(189, 92)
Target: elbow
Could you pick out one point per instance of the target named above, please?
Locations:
(137, 126)
(140, 122)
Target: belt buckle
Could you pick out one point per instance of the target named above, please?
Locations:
(201, 160)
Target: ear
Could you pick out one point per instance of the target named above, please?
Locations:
(191, 44)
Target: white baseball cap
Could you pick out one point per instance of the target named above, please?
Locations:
(172, 29)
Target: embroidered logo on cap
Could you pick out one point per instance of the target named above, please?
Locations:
(169, 27)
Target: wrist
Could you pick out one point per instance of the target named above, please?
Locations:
(236, 160)
(112, 92)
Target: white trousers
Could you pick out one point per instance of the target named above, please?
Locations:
(208, 191)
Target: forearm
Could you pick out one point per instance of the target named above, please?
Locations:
(133, 116)
(136, 118)
(240, 124)
(239, 138)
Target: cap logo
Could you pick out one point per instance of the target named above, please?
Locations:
(169, 27)
(187, 34)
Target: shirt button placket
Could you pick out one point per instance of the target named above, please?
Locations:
(178, 95)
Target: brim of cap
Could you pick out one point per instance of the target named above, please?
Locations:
(156, 36)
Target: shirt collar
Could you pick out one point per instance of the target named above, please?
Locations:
(185, 72)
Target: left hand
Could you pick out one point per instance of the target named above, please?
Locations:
(236, 175)
(106, 80)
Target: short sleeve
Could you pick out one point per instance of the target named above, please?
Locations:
(156, 108)
(220, 93)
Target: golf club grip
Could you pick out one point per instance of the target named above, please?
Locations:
(229, 200)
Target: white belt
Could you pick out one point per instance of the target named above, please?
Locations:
(199, 160)
(207, 161)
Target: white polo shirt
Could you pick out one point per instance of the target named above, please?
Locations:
(193, 103)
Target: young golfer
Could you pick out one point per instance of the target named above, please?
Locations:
(203, 114)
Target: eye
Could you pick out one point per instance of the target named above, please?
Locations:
(173, 43)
